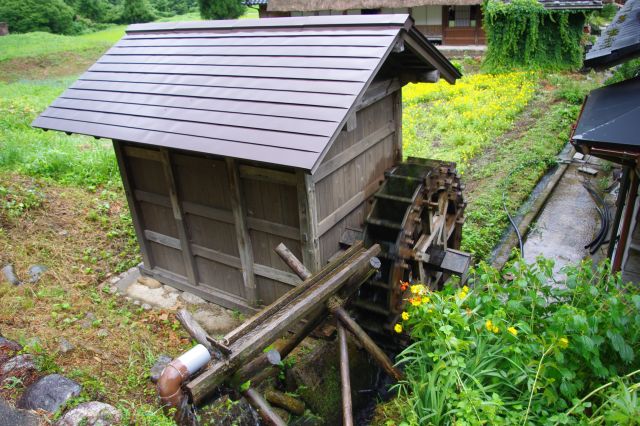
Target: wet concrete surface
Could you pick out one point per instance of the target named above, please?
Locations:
(568, 221)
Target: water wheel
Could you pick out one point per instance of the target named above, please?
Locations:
(416, 217)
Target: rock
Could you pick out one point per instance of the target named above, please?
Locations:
(49, 393)
(225, 412)
(65, 346)
(10, 416)
(8, 349)
(91, 414)
(88, 320)
(17, 364)
(157, 297)
(146, 306)
(159, 365)
(215, 322)
(192, 298)
(35, 272)
(113, 289)
(149, 282)
(63, 233)
(102, 332)
(170, 289)
(10, 275)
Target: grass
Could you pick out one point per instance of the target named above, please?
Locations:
(40, 43)
(76, 160)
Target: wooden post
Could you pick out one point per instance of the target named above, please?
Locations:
(242, 232)
(378, 354)
(345, 381)
(134, 207)
(183, 234)
(292, 261)
(194, 329)
(263, 408)
(308, 215)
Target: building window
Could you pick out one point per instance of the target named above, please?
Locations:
(462, 16)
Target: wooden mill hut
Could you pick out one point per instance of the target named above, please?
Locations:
(234, 136)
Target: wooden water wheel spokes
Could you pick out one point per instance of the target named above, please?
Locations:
(416, 216)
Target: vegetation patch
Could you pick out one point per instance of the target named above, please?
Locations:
(456, 122)
(520, 347)
(524, 34)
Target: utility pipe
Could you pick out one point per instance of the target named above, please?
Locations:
(177, 372)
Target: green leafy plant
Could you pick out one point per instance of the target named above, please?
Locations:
(521, 346)
(34, 15)
(221, 9)
(524, 34)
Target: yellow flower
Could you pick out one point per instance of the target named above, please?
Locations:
(513, 331)
(489, 325)
(495, 329)
(398, 328)
(426, 300)
(465, 289)
(415, 301)
(405, 316)
(417, 289)
(563, 342)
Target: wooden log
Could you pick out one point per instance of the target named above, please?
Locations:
(263, 408)
(282, 400)
(194, 329)
(345, 381)
(292, 261)
(374, 350)
(267, 312)
(251, 344)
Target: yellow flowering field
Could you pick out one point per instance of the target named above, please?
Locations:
(456, 122)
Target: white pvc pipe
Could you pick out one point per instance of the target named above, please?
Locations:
(195, 358)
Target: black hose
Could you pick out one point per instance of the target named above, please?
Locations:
(504, 196)
(605, 218)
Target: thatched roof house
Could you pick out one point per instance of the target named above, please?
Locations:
(451, 22)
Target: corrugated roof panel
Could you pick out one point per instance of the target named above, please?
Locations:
(276, 91)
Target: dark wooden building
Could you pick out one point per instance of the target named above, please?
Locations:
(234, 136)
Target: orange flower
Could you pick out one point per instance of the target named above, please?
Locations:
(403, 285)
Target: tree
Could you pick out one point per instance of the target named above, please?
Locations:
(135, 11)
(24, 16)
(221, 9)
(93, 9)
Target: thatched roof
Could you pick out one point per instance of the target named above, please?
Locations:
(311, 5)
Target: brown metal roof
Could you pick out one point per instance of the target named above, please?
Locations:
(274, 90)
(313, 5)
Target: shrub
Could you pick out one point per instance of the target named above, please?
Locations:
(96, 10)
(25, 16)
(523, 34)
(221, 9)
(521, 347)
(625, 71)
(135, 11)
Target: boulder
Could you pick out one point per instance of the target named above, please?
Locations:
(8, 348)
(91, 414)
(149, 282)
(49, 393)
(215, 320)
(10, 275)
(157, 297)
(35, 272)
(16, 364)
(11, 416)
(65, 346)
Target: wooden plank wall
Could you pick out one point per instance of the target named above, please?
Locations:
(209, 225)
(353, 169)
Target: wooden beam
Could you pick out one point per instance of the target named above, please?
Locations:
(162, 239)
(255, 340)
(354, 151)
(224, 216)
(211, 294)
(267, 175)
(308, 218)
(242, 231)
(344, 210)
(194, 329)
(378, 91)
(144, 153)
(183, 232)
(276, 275)
(397, 121)
(134, 206)
(345, 380)
(292, 261)
(268, 415)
